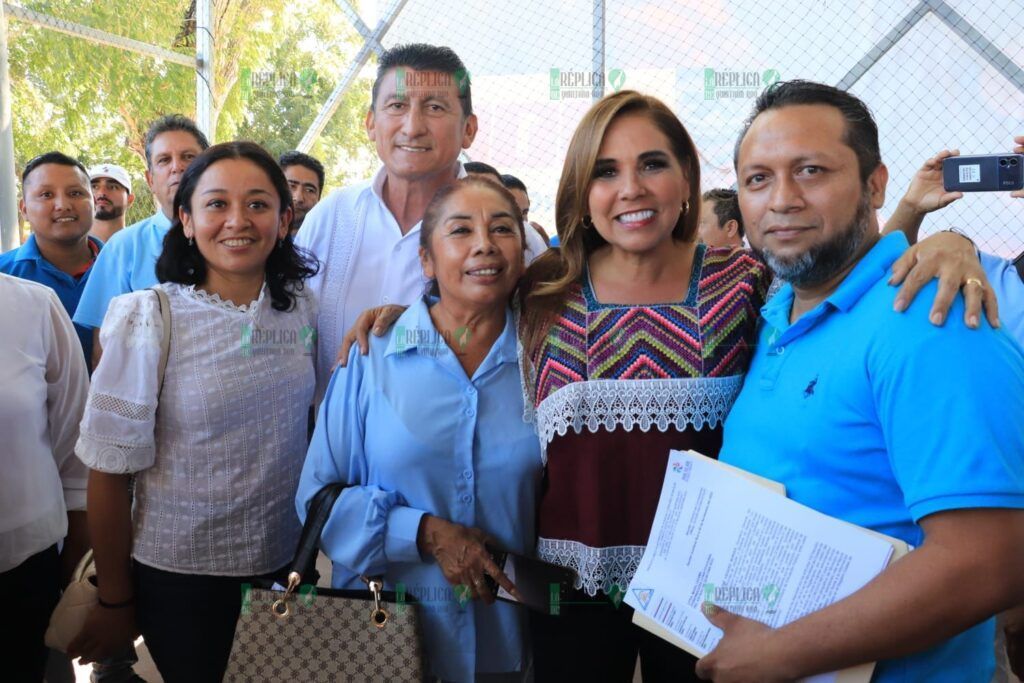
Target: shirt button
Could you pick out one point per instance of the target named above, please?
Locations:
(781, 350)
(468, 474)
(466, 498)
(470, 412)
(470, 389)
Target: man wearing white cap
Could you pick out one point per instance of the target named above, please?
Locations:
(112, 192)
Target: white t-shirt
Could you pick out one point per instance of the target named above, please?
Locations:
(376, 266)
(45, 384)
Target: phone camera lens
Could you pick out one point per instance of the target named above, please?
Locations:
(1003, 161)
(1013, 161)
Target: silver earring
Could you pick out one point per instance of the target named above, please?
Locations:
(191, 242)
(280, 242)
(686, 207)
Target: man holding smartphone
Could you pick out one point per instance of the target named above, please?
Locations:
(927, 194)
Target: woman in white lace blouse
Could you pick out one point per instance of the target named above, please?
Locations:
(216, 451)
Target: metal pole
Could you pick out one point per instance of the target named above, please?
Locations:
(998, 59)
(9, 236)
(916, 14)
(204, 69)
(598, 51)
(95, 35)
(363, 56)
(360, 25)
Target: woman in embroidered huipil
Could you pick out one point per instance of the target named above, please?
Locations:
(636, 339)
(216, 452)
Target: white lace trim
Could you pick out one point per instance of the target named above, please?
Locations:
(636, 404)
(113, 457)
(597, 569)
(214, 299)
(129, 410)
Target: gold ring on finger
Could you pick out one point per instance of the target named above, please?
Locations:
(974, 281)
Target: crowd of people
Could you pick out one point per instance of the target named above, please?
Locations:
(476, 385)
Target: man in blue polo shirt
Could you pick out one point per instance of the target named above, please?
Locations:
(57, 203)
(882, 420)
(128, 262)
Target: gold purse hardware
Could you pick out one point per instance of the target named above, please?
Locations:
(378, 615)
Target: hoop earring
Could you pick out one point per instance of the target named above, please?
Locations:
(587, 223)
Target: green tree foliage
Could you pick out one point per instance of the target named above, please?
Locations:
(281, 94)
(94, 101)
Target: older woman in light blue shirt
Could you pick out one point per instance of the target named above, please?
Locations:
(428, 430)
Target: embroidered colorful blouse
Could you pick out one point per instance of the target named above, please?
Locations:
(615, 388)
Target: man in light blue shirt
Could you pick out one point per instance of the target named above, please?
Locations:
(882, 420)
(128, 261)
(1008, 285)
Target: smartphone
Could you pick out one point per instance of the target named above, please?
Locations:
(983, 173)
(541, 585)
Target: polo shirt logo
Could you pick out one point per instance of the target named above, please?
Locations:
(809, 391)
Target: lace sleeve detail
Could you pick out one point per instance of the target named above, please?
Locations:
(117, 430)
(113, 457)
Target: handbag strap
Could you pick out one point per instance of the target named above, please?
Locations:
(165, 342)
(304, 563)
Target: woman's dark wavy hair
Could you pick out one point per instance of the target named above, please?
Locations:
(287, 266)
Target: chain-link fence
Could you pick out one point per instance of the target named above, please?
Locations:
(936, 74)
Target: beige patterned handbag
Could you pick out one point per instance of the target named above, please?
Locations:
(312, 634)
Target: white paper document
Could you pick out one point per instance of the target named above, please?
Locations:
(723, 536)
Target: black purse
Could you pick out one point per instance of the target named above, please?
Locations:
(313, 634)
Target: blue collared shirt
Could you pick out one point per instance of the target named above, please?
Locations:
(1009, 289)
(126, 264)
(881, 419)
(414, 435)
(27, 262)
